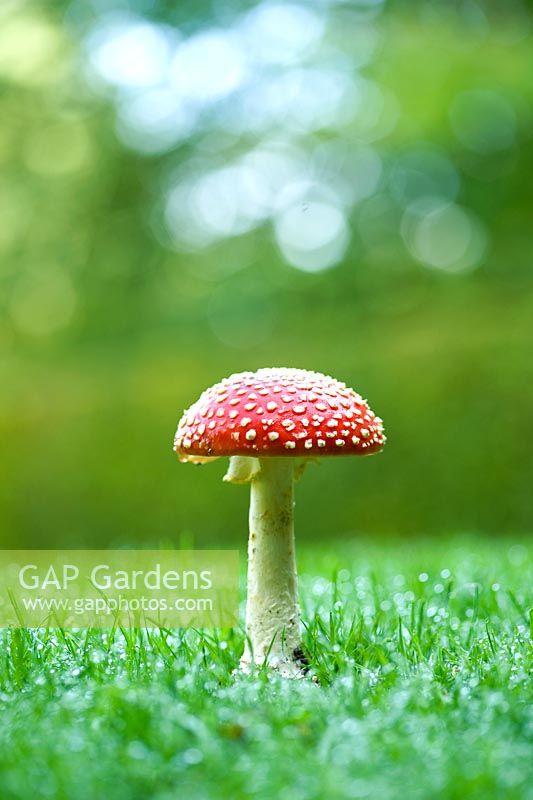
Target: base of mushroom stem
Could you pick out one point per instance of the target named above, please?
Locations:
(295, 667)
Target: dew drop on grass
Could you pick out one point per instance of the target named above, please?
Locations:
(193, 756)
(97, 656)
(319, 587)
(137, 751)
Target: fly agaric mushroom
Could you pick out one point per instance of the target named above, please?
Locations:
(271, 423)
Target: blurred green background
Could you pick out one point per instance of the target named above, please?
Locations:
(196, 188)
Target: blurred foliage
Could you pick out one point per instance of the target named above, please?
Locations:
(112, 319)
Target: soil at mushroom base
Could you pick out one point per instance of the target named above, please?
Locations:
(271, 423)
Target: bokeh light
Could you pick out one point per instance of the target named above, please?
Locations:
(443, 235)
(207, 67)
(269, 74)
(129, 52)
(312, 236)
(277, 33)
(154, 121)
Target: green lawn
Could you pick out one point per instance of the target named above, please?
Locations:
(423, 663)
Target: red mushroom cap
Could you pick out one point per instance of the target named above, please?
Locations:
(278, 412)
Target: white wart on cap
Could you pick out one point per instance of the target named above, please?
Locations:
(278, 412)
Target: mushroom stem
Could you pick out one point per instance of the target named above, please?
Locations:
(272, 611)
